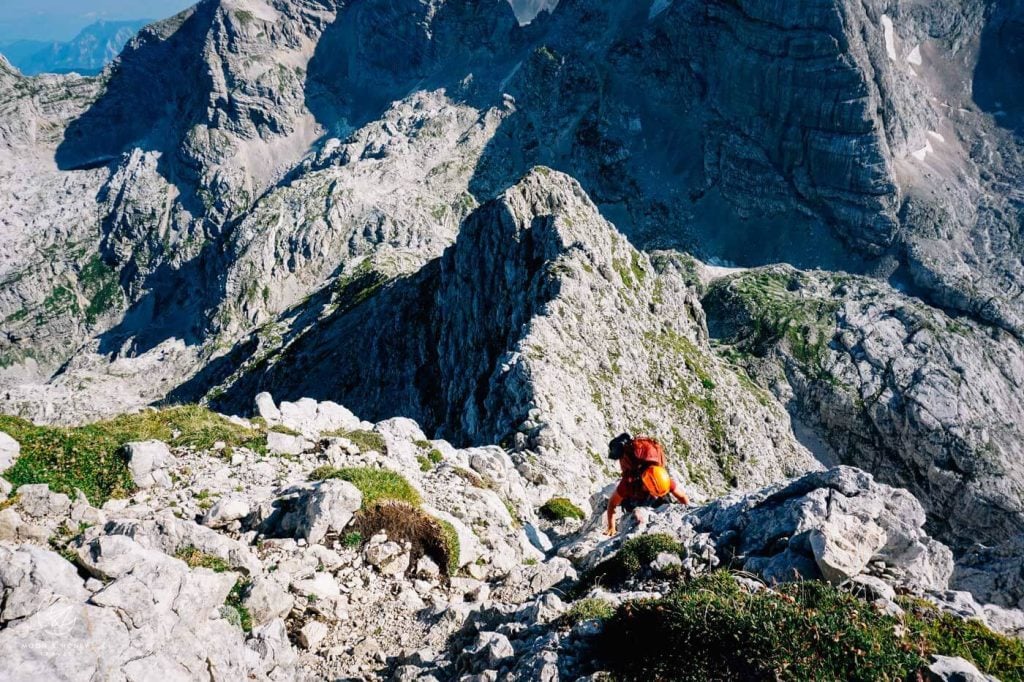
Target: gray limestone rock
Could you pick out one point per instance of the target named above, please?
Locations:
(284, 443)
(57, 629)
(921, 399)
(266, 599)
(266, 408)
(955, 669)
(166, 533)
(327, 507)
(9, 451)
(32, 579)
(490, 649)
(225, 511)
(844, 545)
(148, 462)
(809, 528)
(38, 502)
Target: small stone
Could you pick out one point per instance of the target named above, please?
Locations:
(407, 673)
(490, 649)
(538, 538)
(390, 558)
(955, 669)
(320, 586)
(427, 568)
(479, 593)
(667, 563)
(311, 634)
(284, 444)
(10, 524)
(225, 511)
(266, 600)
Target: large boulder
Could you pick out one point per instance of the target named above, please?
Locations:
(266, 409)
(844, 545)
(833, 524)
(226, 511)
(267, 599)
(284, 443)
(39, 502)
(307, 416)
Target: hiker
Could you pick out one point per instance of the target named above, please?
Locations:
(645, 480)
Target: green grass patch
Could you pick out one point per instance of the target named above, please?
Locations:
(88, 457)
(512, 511)
(587, 609)
(60, 299)
(234, 601)
(627, 563)
(376, 485)
(451, 542)
(366, 441)
(429, 460)
(710, 628)
(197, 559)
(99, 284)
(560, 508)
(948, 635)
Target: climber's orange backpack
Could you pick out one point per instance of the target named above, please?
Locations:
(647, 452)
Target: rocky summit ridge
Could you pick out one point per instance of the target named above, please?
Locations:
(517, 230)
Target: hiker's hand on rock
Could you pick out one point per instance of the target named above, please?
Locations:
(611, 530)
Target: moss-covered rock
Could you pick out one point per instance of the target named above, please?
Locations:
(376, 485)
(559, 509)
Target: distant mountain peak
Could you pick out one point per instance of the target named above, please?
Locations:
(87, 53)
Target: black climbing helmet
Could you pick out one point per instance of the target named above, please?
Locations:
(617, 445)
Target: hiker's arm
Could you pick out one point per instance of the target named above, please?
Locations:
(678, 493)
(613, 503)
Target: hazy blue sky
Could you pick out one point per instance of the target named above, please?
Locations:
(62, 19)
